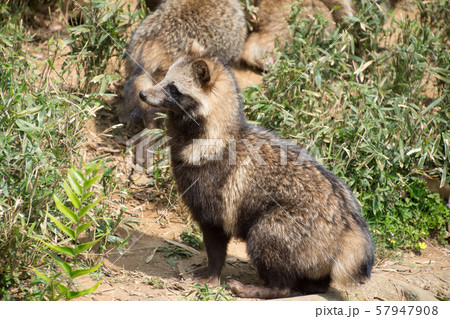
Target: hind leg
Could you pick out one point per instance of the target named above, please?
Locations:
(277, 283)
(273, 253)
(286, 256)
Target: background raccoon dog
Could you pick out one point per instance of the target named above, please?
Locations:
(272, 23)
(162, 38)
(302, 225)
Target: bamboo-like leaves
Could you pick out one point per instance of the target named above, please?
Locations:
(73, 198)
(65, 266)
(83, 247)
(61, 249)
(87, 208)
(81, 272)
(83, 227)
(77, 188)
(69, 232)
(87, 184)
(65, 210)
(77, 294)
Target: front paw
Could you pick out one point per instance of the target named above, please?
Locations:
(209, 280)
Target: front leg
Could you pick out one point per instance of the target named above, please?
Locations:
(216, 242)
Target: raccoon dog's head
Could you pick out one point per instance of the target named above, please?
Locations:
(200, 89)
(183, 88)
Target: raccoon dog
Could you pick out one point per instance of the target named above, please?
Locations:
(162, 38)
(272, 23)
(302, 225)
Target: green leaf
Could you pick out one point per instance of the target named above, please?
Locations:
(91, 182)
(76, 294)
(433, 104)
(81, 272)
(171, 261)
(77, 173)
(65, 210)
(86, 246)
(81, 228)
(317, 77)
(85, 209)
(63, 289)
(75, 186)
(73, 198)
(41, 275)
(94, 166)
(65, 266)
(86, 195)
(50, 63)
(60, 249)
(97, 78)
(444, 175)
(69, 232)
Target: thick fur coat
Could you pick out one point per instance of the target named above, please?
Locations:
(302, 225)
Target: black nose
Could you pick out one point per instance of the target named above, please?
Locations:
(142, 96)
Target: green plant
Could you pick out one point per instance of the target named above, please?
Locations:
(74, 224)
(207, 293)
(99, 40)
(172, 252)
(155, 282)
(39, 132)
(42, 116)
(192, 238)
(414, 216)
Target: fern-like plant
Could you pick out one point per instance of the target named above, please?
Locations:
(73, 224)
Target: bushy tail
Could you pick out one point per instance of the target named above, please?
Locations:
(355, 262)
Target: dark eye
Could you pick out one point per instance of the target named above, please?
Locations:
(173, 91)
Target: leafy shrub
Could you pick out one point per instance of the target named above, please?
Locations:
(102, 37)
(72, 226)
(40, 132)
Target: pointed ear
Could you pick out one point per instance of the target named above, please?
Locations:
(201, 72)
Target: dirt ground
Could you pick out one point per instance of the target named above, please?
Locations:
(141, 272)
